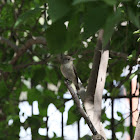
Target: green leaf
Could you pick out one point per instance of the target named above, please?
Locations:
(94, 18)
(119, 114)
(128, 129)
(134, 17)
(42, 111)
(120, 128)
(132, 55)
(112, 20)
(6, 16)
(38, 75)
(56, 37)
(33, 95)
(136, 32)
(134, 74)
(6, 67)
(82, 1)
(58, 9)
(73, 115)
(86, 137)
(51, 76)
(108, 127)
(73, 32)
(138, 40)
(3, 89)
(117, 70)
(26, 16)
(34, 120)
(110, 2)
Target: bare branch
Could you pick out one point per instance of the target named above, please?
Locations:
(28, 44)
(82, 112)
(45, 15)
(93, 98)
(9, 43)
(119, 54)
(96, 62)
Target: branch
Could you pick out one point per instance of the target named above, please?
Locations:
(9, 43)
(45, 15)
(130, 72)
(28, 44)
(93, 98)
(119, 54)
(126, 78)
(121, 121)
(96, 62)
(82, 112)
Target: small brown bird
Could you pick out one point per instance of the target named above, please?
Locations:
(68, 70)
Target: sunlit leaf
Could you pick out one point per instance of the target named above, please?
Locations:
(73, 115)
(137, 32)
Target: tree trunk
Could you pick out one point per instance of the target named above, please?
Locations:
(93, 99)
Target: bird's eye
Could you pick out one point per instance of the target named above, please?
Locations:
(68, 59)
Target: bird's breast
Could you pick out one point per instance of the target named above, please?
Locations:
(67, 71)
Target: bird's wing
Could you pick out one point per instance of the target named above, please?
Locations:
(75, 74)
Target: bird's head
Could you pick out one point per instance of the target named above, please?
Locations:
(64, 59)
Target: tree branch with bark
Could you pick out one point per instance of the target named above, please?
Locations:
(92, 98)
(20, 51)
(26, 46)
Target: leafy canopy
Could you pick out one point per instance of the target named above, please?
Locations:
(66, 25)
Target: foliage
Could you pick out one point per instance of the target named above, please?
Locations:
(21, 20)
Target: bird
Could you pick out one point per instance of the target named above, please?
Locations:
(68, 69)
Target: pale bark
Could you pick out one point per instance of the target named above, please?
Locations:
(93, 100)
(80, 108)
(137, 131)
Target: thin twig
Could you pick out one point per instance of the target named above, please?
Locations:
(125, 118)
(126, 78)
